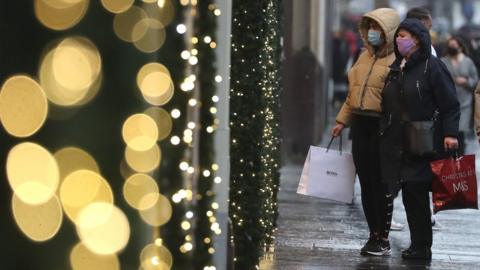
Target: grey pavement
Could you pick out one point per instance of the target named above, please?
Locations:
(317, 234)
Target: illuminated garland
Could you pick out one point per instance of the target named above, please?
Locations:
(196, 211)
(205, 26)
(254, 125)
(170, 176)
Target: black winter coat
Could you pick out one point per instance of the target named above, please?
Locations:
(422, 87)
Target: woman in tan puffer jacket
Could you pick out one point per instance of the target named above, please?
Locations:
(361, 111)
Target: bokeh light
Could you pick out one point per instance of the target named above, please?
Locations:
(148, 69)
(162, 119)
(140, 132)
(141, 191)
(159, 214)
(153, 38)
(155, 84)
(32, 173)
(81, 188)
(60, 14)
(76, 63)
(125, 170)
(71, 159)
(117, 6)
(126, 25)
(23, 106)
(38, 222)
(157, 88)
(81, 258)
(103, 228)
(143, 161)
(164, 14)
(92, 91)
(70, 72)
(156, 257)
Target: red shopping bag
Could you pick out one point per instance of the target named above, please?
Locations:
(455, 183)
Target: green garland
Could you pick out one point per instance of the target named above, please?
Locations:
(254, 114)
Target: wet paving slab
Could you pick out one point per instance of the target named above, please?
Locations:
(317, 234)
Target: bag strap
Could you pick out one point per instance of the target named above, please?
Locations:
(331, 141)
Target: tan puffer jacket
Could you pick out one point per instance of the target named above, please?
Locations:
(367, 76)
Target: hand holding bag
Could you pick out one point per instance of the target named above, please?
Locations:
(455, 183)
(328, 174)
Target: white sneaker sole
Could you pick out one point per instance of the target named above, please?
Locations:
(386, 252)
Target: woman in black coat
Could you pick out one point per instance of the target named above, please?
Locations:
(418, 88)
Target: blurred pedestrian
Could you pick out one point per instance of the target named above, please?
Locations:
(424, 15)
(419, 94)
(362, 111)
(465, 76)
(477, 111)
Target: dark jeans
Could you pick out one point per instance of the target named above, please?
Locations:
(377, 202)
(416, 200)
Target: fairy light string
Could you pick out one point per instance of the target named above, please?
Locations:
(254, 126)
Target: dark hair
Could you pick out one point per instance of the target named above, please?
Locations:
(461, 44)
(420, 13)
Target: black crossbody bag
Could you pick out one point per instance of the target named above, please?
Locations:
(419, 135)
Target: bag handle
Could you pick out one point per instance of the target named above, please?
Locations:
(331, 141)
(453, 153)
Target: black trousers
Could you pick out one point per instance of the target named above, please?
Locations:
(415, 196)
(377, 201)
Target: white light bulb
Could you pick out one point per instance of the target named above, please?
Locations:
(193, 60)
(176, 113)
(185, 55)
(175, 140)
(183, 166)
(181, 29)
(192, 102)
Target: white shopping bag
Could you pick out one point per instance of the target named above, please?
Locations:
(328, 174)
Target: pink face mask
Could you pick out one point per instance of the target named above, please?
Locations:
(405, 45)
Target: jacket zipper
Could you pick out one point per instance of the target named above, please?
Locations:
(418, 90)
(366, 81)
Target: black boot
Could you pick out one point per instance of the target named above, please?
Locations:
(413, 253)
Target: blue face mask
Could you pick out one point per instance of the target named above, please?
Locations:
(374, 37)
